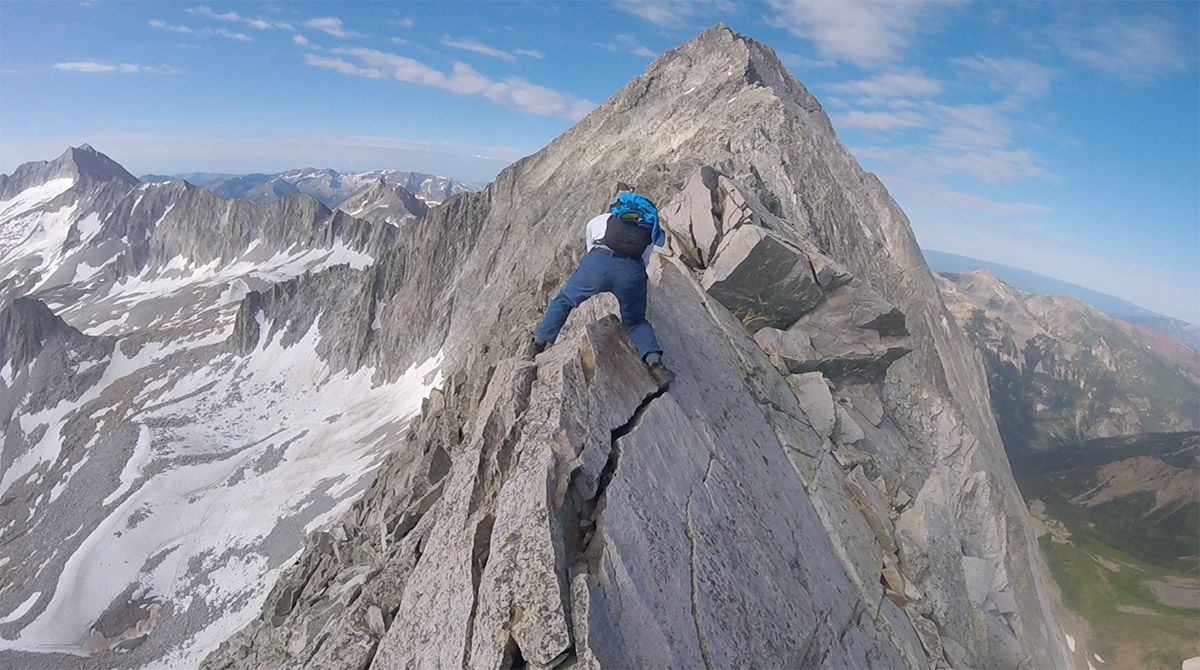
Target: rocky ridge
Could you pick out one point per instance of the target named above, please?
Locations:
(382, 202)
(822, 485)
(1061, 371)
(331, 188)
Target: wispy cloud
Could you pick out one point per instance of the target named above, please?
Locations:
(234, 17)
(403, 22)
(230, 35)
(475, 46)
(1009, 75)
(114, 68)
(532, 53)
(462, 79)
(911, 83)
(203, 32)
(300, 40)
(881, 120)
(864, 32)
(934, 194)
(990, 165)
(802, 62)
(1138, 48)
(674, 13)
(331, 26)
(163, 25)
(627, 44)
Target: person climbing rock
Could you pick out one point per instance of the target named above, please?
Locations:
(619, 244)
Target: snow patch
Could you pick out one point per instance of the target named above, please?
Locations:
(134, 466)
(1070, 642)
(22, 608)
(88, 226)
(34, 196)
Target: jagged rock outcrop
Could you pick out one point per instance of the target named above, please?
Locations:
(561, 511)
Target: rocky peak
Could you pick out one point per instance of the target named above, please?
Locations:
(383, 202)
(82, 165)
(26, 325)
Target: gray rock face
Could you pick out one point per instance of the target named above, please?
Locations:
(715, 524)
(562, 512)
(763, 280)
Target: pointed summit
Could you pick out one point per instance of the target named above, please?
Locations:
(88, 164)
(80, 165)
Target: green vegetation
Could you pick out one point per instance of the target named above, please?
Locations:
(1129, 627)
(1118, 547)
(1163, 538)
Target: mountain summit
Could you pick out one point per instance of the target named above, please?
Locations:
(78, 164)
(822, 485)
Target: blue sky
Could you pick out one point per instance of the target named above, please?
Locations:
(1063, 138)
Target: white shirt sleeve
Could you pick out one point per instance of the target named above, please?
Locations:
(595, 230)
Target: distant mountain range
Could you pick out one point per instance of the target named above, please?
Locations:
(1032, 282)
(329, 187)
(1062, 371)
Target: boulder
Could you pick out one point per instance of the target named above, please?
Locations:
(978, 573)
(815, 399)
(691, 220)
(855, 334)
(762, 279)
(734, 209)
(864, 398)
(846, 431)
(1002, 601)
(864, 495)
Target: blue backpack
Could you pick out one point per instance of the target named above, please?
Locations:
(632, 210)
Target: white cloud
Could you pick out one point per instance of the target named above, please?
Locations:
(802, 62)
(344, 67)
(674, 13)
(475, 46)
(332, 26)
(114, 68)
(864, 32)
(1133, 48)
(934, 194)
(398, 40)
(511, 92)
(230, 35)
(880, 120)
(532, 53)
(234, 17)
(911, 83)
(628, 44)
(204, 32)
(300, 40)
(1010, 75)
(405, 22)
(163, 25)
(991, 165)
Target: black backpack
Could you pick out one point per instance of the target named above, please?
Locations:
(626, 238)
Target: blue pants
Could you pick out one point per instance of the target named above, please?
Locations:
(600, 271)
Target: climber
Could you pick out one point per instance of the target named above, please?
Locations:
(619, 243)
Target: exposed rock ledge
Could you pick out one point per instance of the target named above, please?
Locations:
(565, 512)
